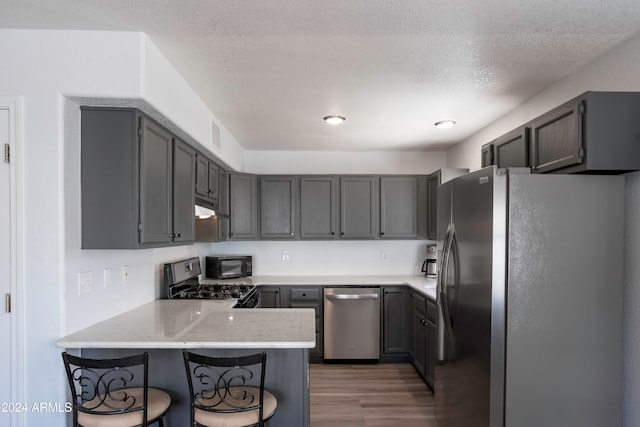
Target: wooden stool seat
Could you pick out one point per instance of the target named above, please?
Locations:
(236, 419)
(158, 402)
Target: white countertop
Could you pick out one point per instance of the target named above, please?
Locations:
(178, 324)
(424, 285)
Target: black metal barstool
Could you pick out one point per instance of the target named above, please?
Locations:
(223, 391)
(114, 392)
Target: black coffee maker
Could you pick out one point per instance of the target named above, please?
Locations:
(430, 265)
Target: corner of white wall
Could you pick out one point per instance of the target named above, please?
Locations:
(167, 91)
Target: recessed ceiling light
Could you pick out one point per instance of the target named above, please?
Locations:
(334, 120)
(444, 124)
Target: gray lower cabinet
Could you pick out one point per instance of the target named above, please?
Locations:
(134, 181)
(395, 321)
(422, 347)
(271, 297)
(279, 207)
(359, 207)
(399, 207)
(243, 206)
(310, 297)
(319, 207)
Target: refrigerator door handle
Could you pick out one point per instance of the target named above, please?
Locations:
(441, 270)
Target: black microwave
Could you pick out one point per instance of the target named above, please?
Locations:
(228, 266)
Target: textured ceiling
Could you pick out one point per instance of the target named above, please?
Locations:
(271, 69)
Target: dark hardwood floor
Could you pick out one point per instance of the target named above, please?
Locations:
(374, 395)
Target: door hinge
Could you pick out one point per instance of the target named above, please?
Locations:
(7, 303)
(581, 108)
(140, 227)
(139, 131)
(7, 153)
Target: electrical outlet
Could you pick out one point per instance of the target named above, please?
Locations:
(285, 256)
(85, 282)
(125, 274)
(385, 255)
(106, 277)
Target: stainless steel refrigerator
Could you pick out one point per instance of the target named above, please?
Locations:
(530, 296)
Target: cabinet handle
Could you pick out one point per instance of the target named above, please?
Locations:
(332, 233)
(304, 295)
(342, 233)
(382, 234)
(179, 235)
(292, 234)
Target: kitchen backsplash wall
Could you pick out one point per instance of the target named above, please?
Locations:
(397, 257)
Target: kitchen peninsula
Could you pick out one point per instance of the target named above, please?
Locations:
(164, 327)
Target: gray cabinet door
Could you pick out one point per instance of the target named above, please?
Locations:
(243, 206)
(202, 175)
(213, 180)
(398, 207)
(418, 337)
(310, 297)
(395, 320)
(487, 155)
(319, 207)
(223, 205)
(512, 149)
(433, 181)
(183, 196)
(279, 207)
(270, 297)
(556, 138)
(156, 181)
(359, 207)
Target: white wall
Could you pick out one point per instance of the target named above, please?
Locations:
(344, 162)
(47, 69)
(617, 70)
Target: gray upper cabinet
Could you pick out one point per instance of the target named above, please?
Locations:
(183, 196)
(156, 197)
(512, 150)
(207, 182)
(319, 207)
(128, 198)
(594, 132)
(359, 207)
(487, 155)
(398, 207)
(279, 207)
(557, 138)
(243, 206)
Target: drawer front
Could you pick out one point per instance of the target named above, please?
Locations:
(310, 294)
(432, 311)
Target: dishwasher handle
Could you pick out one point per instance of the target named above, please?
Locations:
(351, 296)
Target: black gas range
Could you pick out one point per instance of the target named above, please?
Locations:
(181, 282)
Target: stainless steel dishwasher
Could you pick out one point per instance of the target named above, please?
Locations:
(351, 323)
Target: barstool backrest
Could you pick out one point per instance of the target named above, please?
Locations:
(226, 384)
(102, 386)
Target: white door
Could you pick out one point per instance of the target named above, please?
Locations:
(5, 263)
